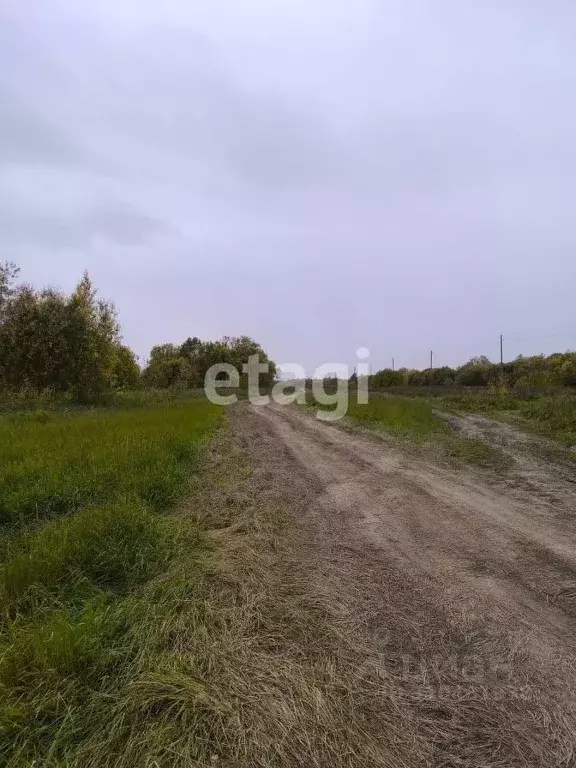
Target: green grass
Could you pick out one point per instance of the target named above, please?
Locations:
(403, 417)
(115, 546)
(470, 450)
(53, 464)
(552, 416)
(81, 500)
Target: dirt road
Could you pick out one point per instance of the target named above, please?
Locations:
(535, 475)
(458, 594)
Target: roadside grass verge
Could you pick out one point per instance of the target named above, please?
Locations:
(82, 535)
(402, 417)
(413, 420)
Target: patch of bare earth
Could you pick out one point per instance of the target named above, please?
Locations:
(398, 614)
(541, 469)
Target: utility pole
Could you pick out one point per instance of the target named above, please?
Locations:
(431, 367)
(501, 359)
(393, 364)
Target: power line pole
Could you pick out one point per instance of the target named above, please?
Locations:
(393, 364)
(431, 367)
(501, 359)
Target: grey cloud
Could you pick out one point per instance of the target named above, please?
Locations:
(166, 102)
(396, 174)
(124, 226)
(113, 223)
(26, 136)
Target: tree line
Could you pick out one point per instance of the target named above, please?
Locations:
(72, 343)
(185, 366)
(533, 372)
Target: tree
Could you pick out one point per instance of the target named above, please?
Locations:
(66, 343)
(186, 365)
(167, 368)
(93, 336)
(387, 378)
(475, 373)
(126, 368)
(8, 274)
(568, 371)
(191, 351)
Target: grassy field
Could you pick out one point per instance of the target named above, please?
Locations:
(85, 551)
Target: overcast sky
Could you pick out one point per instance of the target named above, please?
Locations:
(318, 174)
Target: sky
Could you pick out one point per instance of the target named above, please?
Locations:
(322, 175)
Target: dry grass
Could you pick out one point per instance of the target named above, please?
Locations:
(244, 670)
